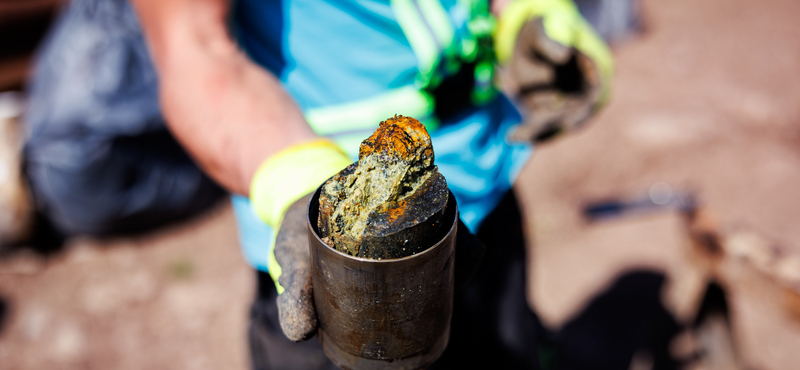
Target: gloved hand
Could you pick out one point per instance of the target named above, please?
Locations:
(296, 310)
(559, 68)
(280, 193)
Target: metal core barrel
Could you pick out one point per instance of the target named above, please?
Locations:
(384, 314)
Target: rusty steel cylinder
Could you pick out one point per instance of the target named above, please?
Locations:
(388, 313)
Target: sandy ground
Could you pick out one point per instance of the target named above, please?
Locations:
(177, 299)
(707, 99)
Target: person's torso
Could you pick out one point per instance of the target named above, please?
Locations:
(327, 52)
(338, 51)
(364, 60)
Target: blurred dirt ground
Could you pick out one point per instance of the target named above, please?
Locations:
(707, 99)
(176, 299)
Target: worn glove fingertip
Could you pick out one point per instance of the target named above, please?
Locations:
(297, 316)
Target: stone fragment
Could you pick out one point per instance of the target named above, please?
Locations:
(390, 203)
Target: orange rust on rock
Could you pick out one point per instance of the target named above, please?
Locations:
(389, 203)
(399, 136)
(399, 209)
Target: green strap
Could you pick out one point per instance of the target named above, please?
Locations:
(484, 89)
(480, 24)
(476, 46)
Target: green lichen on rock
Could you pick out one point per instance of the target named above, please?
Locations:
(390, 203)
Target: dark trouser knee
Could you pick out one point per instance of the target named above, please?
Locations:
(99, 157)
(126, 185)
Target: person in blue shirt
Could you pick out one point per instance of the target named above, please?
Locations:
(138, 112)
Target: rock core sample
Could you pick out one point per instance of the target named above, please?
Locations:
(390, 203)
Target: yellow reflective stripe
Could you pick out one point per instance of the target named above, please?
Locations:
(367, 113)
(520, 11)
(416, 31)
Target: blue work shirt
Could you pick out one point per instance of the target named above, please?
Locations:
(338, 51)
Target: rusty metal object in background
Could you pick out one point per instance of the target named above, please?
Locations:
(384, 314)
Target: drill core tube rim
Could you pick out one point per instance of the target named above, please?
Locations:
(313, 214)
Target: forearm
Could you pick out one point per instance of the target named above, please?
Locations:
(229, 113)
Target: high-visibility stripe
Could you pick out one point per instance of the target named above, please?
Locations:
(438, 20)
(432, 35)
(416, 29)
(364, 114)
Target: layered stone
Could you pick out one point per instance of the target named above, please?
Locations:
(390, 203)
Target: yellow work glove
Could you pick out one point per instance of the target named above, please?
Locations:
(557, 66)
(279, 192)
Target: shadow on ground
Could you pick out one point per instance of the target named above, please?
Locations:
(3, 313)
